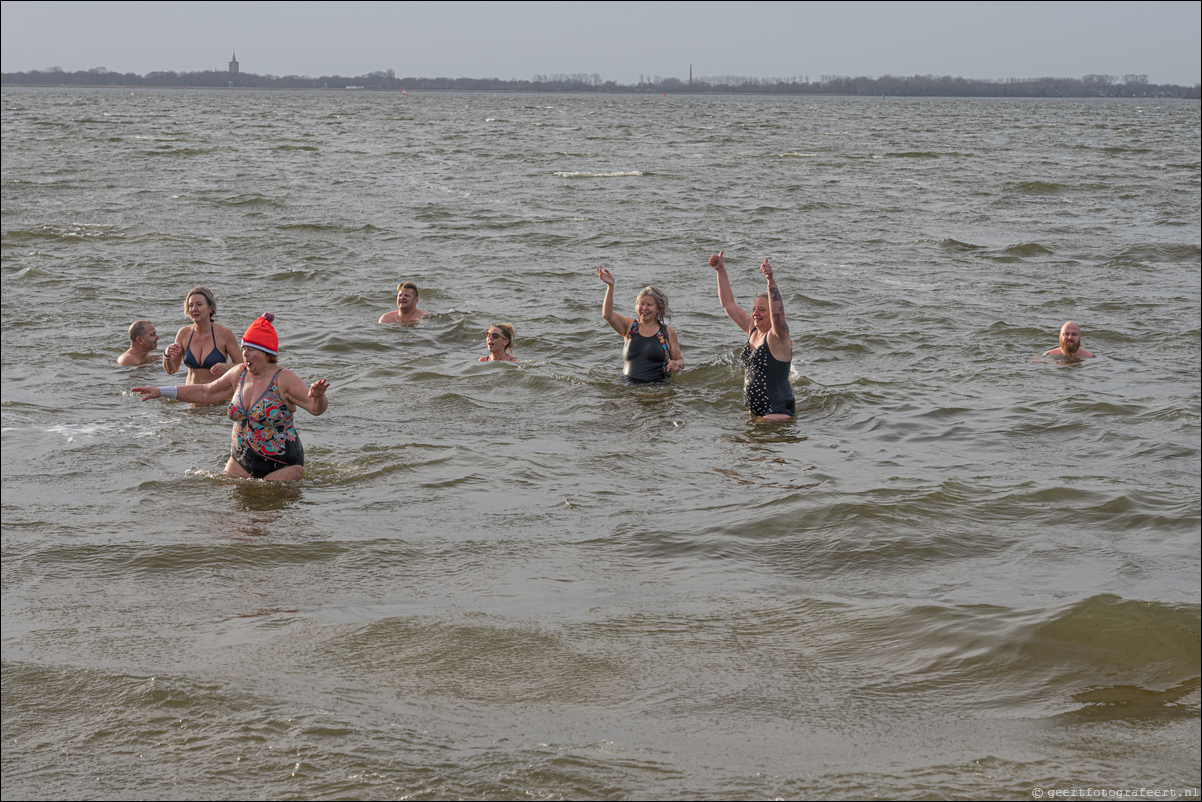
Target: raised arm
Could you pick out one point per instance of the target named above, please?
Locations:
(780, 329)
(735, 312)
(221, 389)
(619, 323)
(311, 399)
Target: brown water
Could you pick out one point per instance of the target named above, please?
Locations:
(961, 571)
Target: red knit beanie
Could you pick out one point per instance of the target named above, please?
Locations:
(261, 335)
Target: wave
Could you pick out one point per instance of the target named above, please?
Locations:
(248, 199)
(564, 174)
(956, 245)
(1105, 654)
(178, 152)
(1155, 253)
(75, 231)
(1037, 187)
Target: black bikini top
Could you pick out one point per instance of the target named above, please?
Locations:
(215, 356)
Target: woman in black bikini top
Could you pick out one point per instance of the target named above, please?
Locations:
(204, 346)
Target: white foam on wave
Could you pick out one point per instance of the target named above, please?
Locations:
(71, 431)
(564, 174)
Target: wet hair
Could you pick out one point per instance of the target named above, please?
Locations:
(506, 331)
(138, 329)
(662, 312)
(408, 285)
(208, 294)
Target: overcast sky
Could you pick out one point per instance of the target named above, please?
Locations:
(619, 41)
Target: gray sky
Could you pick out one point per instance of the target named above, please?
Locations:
(619, 41)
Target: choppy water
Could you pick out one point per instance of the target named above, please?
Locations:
(962, 571)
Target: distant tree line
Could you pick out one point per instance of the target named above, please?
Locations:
(887, 85)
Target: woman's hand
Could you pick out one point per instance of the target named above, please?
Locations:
(318, 388)
(220, 367)
(716, 261)
(766, 269)
(147, 392)
(605, 276)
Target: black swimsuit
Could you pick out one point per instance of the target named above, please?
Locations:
(645, 359)
(215, 356)
(766, 388)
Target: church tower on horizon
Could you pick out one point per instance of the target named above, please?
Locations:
(234, 63)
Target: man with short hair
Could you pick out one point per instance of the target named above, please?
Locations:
(406, 306)
(1070, 343)
(143, 339)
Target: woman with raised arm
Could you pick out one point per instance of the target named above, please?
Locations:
(203, 346)
(499, 341)
(769, 350)
(264, 443)
(651, 353)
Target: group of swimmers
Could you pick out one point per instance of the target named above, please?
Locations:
(264, 396)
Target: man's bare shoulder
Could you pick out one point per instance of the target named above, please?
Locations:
(131, 360)
(1081, 353)
(396, 317)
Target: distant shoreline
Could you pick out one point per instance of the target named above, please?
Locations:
(653, 93)
(1109, 86)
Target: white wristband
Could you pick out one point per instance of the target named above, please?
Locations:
(169, 392)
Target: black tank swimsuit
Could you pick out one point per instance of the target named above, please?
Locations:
(645, 359)
(766, 388)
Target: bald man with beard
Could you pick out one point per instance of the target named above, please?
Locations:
(1070, 343)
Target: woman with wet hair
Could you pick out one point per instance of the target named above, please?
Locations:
(499, 340)
(204, 346)
(652, 352)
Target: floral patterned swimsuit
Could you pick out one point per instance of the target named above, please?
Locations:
(263, 439)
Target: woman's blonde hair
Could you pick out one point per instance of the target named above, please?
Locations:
(208, 294)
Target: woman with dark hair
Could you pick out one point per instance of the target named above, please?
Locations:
(652, 352)
(264, 444)
(207, 344)
(499, 341)
(768, 355)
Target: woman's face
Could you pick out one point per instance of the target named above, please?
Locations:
(198, 308)
(761, 314)
(496, 340)
(646, 307)
(256, 360)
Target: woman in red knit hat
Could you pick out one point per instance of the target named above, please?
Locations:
(265, 444)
